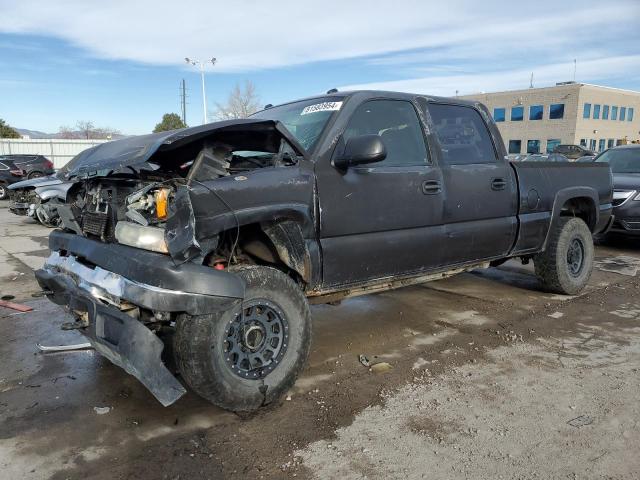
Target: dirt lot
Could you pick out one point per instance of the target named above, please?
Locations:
(489, 378)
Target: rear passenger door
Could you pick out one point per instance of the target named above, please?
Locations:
(480, 204)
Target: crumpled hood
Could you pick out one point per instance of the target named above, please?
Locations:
(36, 182)
(136, 152)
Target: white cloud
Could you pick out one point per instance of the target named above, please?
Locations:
(256, 34)
(544, 75)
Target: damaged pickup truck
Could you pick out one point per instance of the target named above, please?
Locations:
(205, 246)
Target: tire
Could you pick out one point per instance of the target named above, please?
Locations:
(4, 193)
(566, 265)
(207, 346)
(35, 175)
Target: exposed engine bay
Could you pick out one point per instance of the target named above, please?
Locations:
(148, 206)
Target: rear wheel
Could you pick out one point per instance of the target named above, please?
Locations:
(3, 191)
(245, 358)
(565, 266)
(35, 175)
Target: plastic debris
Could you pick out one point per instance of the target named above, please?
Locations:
(63, 348)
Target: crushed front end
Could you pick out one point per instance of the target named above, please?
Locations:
(129, 259)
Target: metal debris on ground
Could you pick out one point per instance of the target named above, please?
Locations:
(102, 410)
(364, 360)
(581, 421)
(15, 306)
(63, 348)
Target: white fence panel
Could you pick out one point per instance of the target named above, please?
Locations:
(59, 151)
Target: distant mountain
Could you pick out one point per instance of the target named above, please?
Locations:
(35, 133)
(39, 135)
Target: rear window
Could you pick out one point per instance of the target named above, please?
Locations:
(463, 135)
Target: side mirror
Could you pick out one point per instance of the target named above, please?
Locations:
(361, 150)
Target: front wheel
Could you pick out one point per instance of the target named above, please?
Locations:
(3, 191)
(248, 357)
(566, 265)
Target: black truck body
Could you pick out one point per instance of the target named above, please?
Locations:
(342, 194)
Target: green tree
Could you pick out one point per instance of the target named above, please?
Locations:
(170, 121)
(7, 132)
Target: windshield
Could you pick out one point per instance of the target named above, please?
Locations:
(622, 160)
(305, 120)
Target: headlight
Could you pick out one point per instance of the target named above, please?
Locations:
(637, 197)
(623, 195)
(139, 236)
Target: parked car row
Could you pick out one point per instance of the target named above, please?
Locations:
(14, 168)
(30, 183)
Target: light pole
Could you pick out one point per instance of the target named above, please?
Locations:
(201, 65)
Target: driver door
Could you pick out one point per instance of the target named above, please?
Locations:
(385, 218)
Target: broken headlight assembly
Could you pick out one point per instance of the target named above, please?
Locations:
(146, 208)
(141, 236)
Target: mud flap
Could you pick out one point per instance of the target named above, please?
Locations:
(127, 343)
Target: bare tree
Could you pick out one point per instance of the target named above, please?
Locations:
(105, 133)
(66, 133)
(86, 128)
(241, 103)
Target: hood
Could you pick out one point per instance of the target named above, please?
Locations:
(626, 181)
(36, 182)
(147, 152)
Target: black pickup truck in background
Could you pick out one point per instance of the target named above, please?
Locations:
(216, 238)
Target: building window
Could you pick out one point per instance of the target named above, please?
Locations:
(583, 142)
(596, 112)
(533, 146)
(605, 112)
(515, 146)
(592, 144)
(623, 113)
(498, 114)
(586, 113)
(535, 112)
(556, 110)
(614, 113)
(630, 114)
(552, 143)
(610, 143)
(517, 114)
(601, 144)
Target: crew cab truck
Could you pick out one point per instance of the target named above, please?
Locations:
(215, 239)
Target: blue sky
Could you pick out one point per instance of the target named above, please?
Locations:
(119, 64)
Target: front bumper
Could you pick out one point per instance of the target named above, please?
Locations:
(627, 218)
(97, 279)
(20, 208)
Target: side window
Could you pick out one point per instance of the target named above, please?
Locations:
(396, 121)
(462, 134)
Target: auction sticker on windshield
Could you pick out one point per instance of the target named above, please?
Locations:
(321, 107)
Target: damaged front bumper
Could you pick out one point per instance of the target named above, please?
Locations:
(97, 279)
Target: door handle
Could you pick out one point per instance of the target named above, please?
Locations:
(431, 187)
(498, 184)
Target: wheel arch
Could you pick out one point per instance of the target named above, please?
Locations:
(578, 202)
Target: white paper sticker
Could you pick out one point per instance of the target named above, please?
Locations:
(321, 107)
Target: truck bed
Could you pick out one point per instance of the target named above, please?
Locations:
(544, 188)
